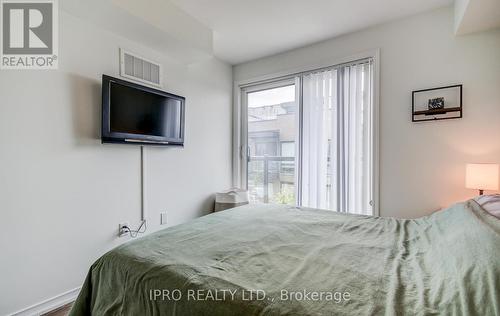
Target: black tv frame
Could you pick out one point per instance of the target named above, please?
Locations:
(107, 136)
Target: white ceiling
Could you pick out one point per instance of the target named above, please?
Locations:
(158, 24)
(249, 29)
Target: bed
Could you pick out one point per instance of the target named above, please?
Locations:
(281, 260)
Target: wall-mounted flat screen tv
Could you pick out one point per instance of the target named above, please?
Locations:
(136, 114)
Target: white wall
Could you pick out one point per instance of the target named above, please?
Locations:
(422, 166)
(476, 16)
(63, 193)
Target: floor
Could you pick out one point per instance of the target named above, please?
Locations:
(61, 311)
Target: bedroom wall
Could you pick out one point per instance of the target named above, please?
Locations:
(422, 166)
(63, 193)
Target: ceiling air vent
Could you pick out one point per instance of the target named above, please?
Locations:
(139, 69)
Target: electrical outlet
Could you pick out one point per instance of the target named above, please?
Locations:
(163, 218)
(121, 231)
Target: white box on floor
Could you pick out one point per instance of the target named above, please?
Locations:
(231, 198)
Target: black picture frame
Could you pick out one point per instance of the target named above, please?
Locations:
(437, 114)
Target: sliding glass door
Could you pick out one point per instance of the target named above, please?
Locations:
(309, 139)
(271, 121)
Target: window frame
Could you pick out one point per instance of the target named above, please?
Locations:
(284, 78)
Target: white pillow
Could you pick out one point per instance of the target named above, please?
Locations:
(490, 203)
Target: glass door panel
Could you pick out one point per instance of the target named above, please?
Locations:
(272, 133)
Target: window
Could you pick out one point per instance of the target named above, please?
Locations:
(271, 129)
(263, 143)
(288, 166)
(288, 149)
(310, 139)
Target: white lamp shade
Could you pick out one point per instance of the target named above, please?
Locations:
(481, 176)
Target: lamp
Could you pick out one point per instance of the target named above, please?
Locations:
(481, 176)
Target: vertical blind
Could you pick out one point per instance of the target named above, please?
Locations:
(337, 140)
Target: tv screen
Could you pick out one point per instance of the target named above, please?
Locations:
(138, 114)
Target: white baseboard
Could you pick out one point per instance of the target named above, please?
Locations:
(49, 304)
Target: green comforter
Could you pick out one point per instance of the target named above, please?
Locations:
(278, 260)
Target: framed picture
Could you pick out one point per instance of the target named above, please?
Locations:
(434, 104)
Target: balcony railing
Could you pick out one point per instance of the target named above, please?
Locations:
(269, 170)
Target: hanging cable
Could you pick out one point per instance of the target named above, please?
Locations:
(133, 233)
(125, 229)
